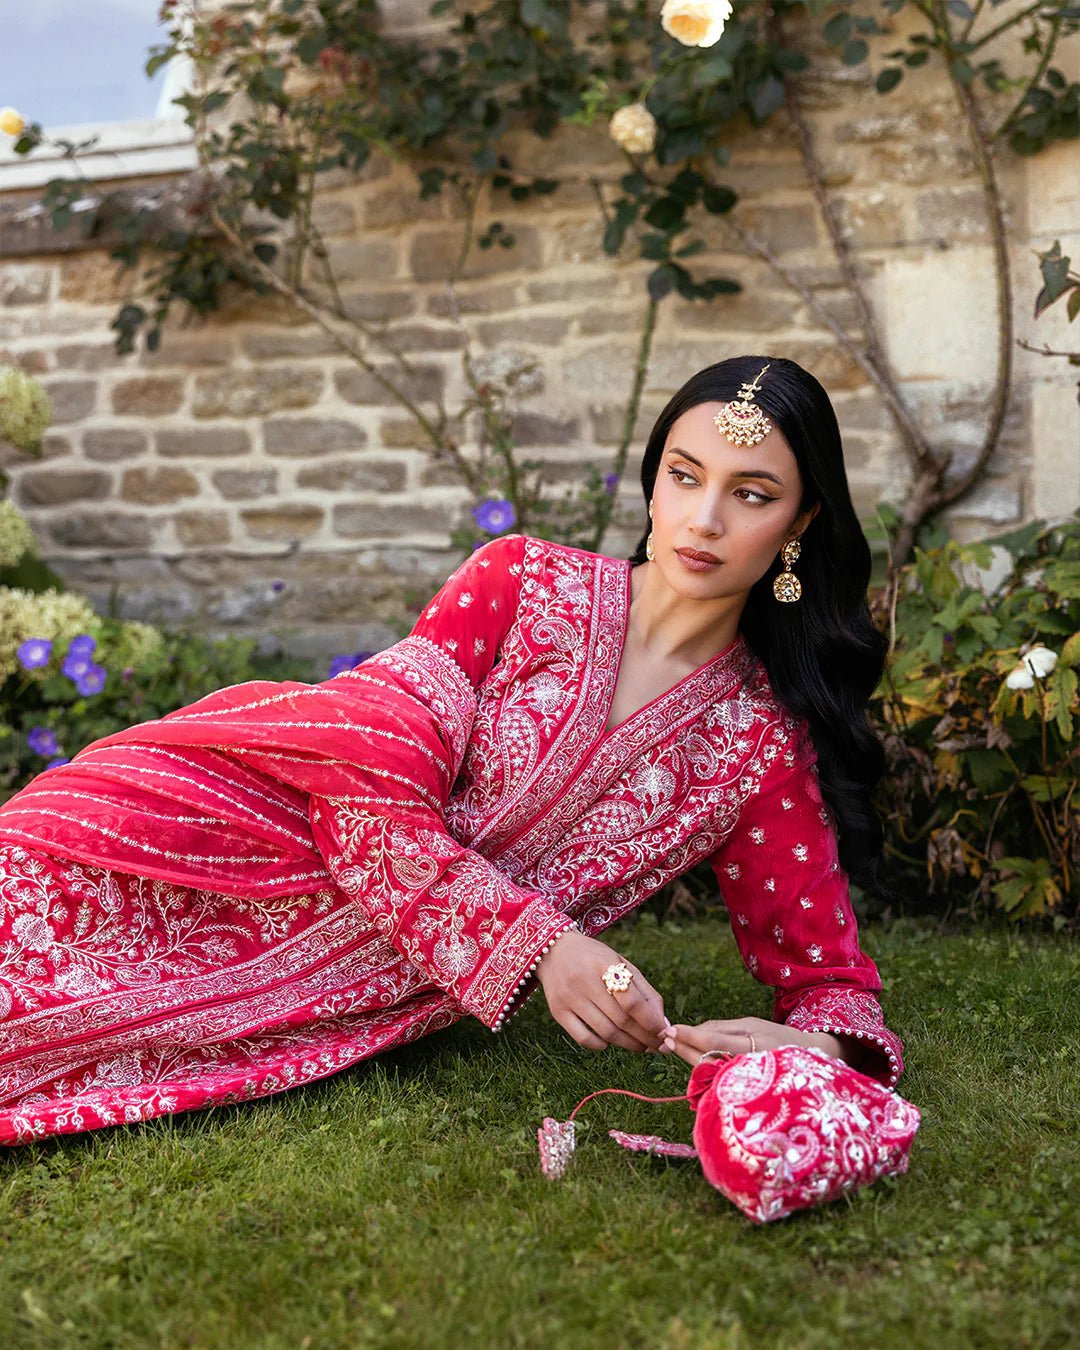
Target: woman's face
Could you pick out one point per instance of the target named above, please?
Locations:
(738, 503)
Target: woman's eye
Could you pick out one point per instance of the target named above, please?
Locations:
(749, 493)
(680, 475)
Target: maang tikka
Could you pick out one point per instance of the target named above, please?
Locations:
(787, 586)
(741, 420)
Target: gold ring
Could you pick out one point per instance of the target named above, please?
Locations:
(617, 977)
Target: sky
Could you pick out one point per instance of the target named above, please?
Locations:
(69, 61)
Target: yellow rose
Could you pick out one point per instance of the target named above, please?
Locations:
(11, 122)
(695, 23)
(633, 129)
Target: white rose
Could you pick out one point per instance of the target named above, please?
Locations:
(695, 23)
(1020, 678)
(1041, 661)
(633, 129)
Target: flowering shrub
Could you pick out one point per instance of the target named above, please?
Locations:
(979, 711)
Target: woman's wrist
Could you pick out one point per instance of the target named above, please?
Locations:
(839, 1047)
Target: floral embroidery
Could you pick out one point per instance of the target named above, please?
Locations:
(757, 834)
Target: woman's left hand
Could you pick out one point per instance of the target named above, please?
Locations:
(691, 1042)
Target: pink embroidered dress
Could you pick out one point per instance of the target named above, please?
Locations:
(283, 879)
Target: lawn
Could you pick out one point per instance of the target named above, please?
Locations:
(401, 1204)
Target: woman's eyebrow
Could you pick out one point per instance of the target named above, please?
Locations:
(739, 473)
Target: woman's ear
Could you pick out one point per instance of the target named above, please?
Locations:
(803, 520)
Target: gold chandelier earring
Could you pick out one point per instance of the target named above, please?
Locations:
(648, 542)
(787, 587)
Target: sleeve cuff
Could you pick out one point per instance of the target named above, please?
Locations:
(857, 1014)
(502, 982)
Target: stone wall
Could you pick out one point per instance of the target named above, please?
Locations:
(185, 486)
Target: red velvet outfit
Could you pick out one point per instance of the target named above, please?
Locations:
(283, 879)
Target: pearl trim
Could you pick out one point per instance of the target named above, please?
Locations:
(508, 1006)
(880, 1042)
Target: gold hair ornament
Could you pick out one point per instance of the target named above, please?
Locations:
(741, 420)
(787, 587)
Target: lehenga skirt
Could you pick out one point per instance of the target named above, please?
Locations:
(124, 998)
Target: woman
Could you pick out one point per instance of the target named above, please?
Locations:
(283, 879)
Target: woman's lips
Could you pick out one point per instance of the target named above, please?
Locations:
(697, 562)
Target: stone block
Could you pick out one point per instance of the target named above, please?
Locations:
(397, 204)
(93, 279)
(191, 443)
(238, 484)
(543, 330)
(297, 437)
(996, 500)
(148, 396)
(423, 337)
(872, 219)
(24, 284)
(189, 349)
(72, 400)
(29, 362)
(57, 487)
(292, 342)
(155, 485)
(608, 422)
(598, 320)
(1055, 438)
(946, 214)
(107, 444)
(284, 522)
(361, 520)
(332, 215)
(405, 433)
(433, 254)
(362, 473)
(200, 529)
(255, 393)
(604, 370)
(87, 356)
(423, 384)
(783, 229)
(828, 362)
(584, 288)
(936, 314)
(473, 299)
(106, 530)
(374, 306)
(532, 428)
(754, 310)
(369, 258)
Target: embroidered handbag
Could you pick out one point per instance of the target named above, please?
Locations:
(775, 1131)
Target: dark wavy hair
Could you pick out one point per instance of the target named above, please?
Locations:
(823, 655)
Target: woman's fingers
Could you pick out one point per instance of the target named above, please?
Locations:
(691, 1042)
(614, 1033)
(576, 1029)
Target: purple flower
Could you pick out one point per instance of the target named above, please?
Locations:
(346, 661)
(42, 740)
(611, 481)
(76, 664)
(34, 652)
(55, 763)
(277, 587)
(83, 645)
(494, 515)
(92, 681)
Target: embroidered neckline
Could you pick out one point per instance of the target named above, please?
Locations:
(731, 661)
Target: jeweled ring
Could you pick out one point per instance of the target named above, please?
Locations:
(617, 977)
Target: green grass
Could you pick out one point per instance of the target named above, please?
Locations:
(401, 1203)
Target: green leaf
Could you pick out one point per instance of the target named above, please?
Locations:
(853, 53)
(717, 199)
(961, 9)
(766, 96)
(666, 213)
(661, 281)
(889, 79)
(1072, 305)
(838, 29)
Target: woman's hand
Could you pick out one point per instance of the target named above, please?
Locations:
(690, 1042)
(571, 974)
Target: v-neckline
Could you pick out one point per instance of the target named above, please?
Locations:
(734, 647)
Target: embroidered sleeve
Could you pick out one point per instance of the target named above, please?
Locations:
(790, 910)
(467, 926)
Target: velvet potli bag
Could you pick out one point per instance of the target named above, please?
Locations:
(775, 1131)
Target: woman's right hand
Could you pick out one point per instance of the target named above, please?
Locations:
(571, 974)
